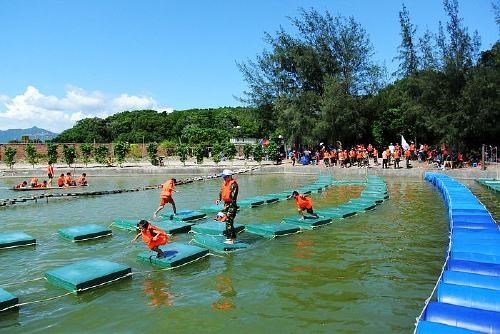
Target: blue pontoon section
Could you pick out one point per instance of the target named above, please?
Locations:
(176, 254)
(468, 291)
(7, 300)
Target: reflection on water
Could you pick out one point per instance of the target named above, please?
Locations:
(369, 273)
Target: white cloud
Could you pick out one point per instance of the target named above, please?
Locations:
(57, 114)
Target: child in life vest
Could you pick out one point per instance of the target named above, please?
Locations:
(152, 236)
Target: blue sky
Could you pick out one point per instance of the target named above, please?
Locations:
(61, 61)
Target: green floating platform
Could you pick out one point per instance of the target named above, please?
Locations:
(216, 243)
(211, 209)
(169, 226)
(85, 232)
(282, 196)
(332, 213)
(271, 230)
(87, 274)
(307, 223)
(250, 202)
(7, 300)
(16, 239)
(268, 199)
(214, 228)
(177, 254)
(185, 215)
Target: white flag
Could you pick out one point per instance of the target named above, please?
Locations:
(404, 144)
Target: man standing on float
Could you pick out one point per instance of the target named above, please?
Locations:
(229, 194)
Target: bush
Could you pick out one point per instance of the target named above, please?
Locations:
(69, 153)
(10, 153)
(153, 153)
(101, 154)
(258, 153)
(52, 153)
(121, 150)
(182, 151)
(86, 152)
(199, 152)
(31, 154)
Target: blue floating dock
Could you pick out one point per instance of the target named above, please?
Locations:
(216, 243)
(85, 232)
(185, 215)
(177, 254)
(87, 274)
(250, 202)
(169, 226)
(16, 239)
(271, 230)
(308, 223)
(211, 209)
(7, 300)
(214, 228)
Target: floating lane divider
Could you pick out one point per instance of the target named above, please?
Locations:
(467, 293)
(493, 184)
(8, 202)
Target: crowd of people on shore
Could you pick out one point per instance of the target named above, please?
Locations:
(62, 181)
(366, 156)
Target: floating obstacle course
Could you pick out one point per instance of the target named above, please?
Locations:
(468, 290)
(16, 239)
(170, 227)
(493, 184)
(177, 254)
(217, 243)
(214, 228)
(87, 274)
(272, 230)
(185, 215)
(85, 232)
(7, 300)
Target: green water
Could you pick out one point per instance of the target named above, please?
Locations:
(366, 274)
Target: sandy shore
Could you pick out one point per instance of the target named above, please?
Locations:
(173, 166)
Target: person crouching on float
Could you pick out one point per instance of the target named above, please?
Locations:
(152, 236)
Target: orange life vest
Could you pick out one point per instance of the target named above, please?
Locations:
(50, 169)
(167, 189)
(225, 190)
(303, 202)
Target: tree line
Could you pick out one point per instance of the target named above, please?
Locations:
(319, 83)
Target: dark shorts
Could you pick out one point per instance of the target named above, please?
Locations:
(50, 176)
(310, 211)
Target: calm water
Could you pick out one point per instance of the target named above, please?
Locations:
(365, 274)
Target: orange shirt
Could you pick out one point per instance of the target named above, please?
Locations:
(50, 169)
(303, 202)
(167, 189)
(60, 181)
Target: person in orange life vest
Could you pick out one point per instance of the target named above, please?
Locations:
(34, 182)
(408, 157)
(24, 184)
(50, 173)
(61, 181)
(229, 195)
(375, 156)
(43, 185)
(166, 196)
(82, 180)
(304, 203)
(69, 180)
(153, 236)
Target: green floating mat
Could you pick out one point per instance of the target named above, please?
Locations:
(177, 254)
(374, 198)
(282, 196)
(16, 239)
(7, 300)
(209, 209)
(269, 198)
(365, 204)
(353, 207)
(216, 243)
(169, 226)
(271, 230)
(85, 232)
(250, 202)
(214, 228)
(308, 223)
(333, 213)
(185, 215)
(87, 274)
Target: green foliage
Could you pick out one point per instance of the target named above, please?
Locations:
(167, 147)
(229, 150)
(182, 152)
(69, 153)
(258, 153)
(272, 151)
(9, 155)
(31, 154)
(247, 151)
(121, 150)
(101, 153)
(195, 135)
(52, 153)
(199, 152)
(217, 149)
(86, 153)
(153, 153)
(136, 151)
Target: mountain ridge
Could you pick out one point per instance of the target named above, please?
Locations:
(33, 133)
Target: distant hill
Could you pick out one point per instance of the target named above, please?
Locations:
(33, 133)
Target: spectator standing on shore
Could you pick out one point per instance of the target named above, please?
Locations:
(50, 173)
(166, 196)
(229, 195)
